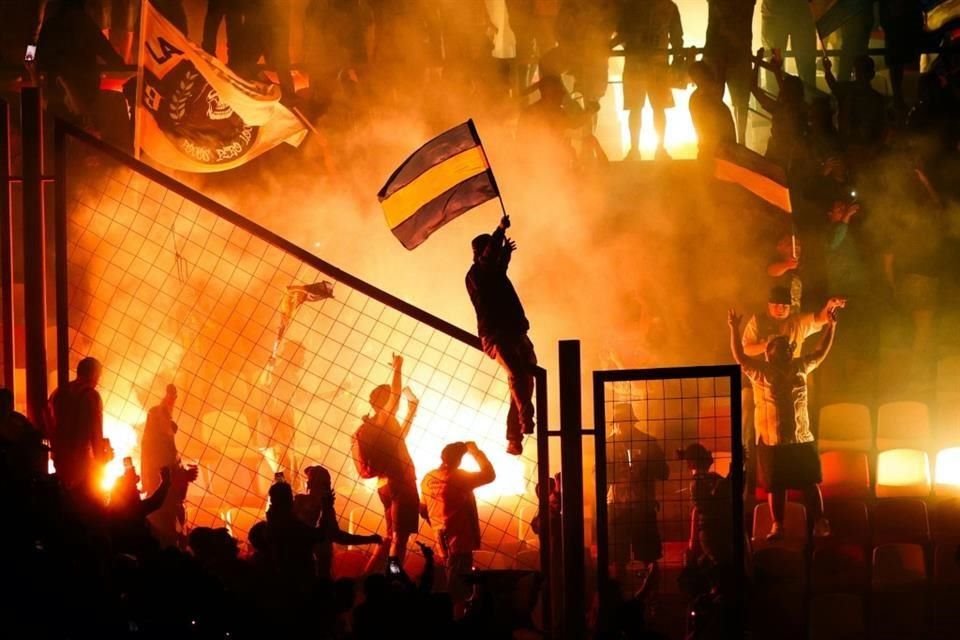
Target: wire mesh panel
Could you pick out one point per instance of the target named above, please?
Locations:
(667, 444)
(275, 356)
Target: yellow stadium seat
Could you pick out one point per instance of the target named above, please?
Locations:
(903, 473)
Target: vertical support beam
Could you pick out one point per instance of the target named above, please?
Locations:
(571, 464)
(543, 502)
(34, 252)
(737, 481)
(600, 461)
(7, 320)
(60, 237)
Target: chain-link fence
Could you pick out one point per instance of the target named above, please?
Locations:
(275, 355)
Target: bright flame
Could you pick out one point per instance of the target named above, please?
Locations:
(903, 469)
(948, 469)
(123, 439)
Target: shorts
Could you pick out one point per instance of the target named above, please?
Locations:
(788, 466)
(401, 508)
(643, 79)
(633, 526)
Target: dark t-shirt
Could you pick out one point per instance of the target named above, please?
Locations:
(498, 307)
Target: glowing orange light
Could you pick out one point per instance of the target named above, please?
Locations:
(903, 472)
(948, 471)
(123, 439)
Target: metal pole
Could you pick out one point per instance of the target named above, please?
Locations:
(7, 320)
(600, 462)
(571, 465)
(34, 253)
(60, 238)
(736, 481)
(543, 498)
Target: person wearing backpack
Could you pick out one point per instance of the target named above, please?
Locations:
(380, 451)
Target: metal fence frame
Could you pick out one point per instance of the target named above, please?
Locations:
(600, 379)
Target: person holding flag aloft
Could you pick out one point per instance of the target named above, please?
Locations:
(502, 326)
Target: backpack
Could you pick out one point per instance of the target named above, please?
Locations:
(365, 451)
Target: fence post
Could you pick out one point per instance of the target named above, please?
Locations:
(571, 465)
(60, 246)
(547, 571)
(7, 320)
(34, 252)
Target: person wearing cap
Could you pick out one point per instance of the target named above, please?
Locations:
(710, 522)
(635, 463)
(787, 455)
(316, 508)
(779, 320)
(449, 499)
(502, 327)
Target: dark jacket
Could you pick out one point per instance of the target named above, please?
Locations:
(499, 311)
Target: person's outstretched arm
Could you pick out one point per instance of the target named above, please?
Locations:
(828, 75)
(396, 383)
(494, 249)
(763, 98)
(816, 358)
(741, 358)
(412, 403)
(485, 475)
(823, 316)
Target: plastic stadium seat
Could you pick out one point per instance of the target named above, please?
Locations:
(778, 567)
(795, 526)
(901, 520)
(839, 569)
(836, 616)
(846, 474)
(898, 567)
(903, 473)
(845, 426)
(903, 425)
(947, 426)
(948, 376)
(849, 522)
(948, 472)
(946, 521)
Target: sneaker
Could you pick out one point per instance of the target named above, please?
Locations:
(515, 447)
(821, 529)
(776, 533)
(662, 154)
(528, 428)
(633, 155)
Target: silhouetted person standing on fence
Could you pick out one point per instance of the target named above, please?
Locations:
(380, 451)
(448, 496)
(158, 450)
(781, 20)
(316, 509)
(75, 427)
(503, 326)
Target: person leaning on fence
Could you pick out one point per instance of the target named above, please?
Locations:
(786, 452)
(502, 326)
(380, 451)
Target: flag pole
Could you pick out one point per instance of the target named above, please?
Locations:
(141, 49)
(493, 178)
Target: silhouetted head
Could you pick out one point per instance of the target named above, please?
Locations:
(318, 479)
(480, 244)
(779, 350)
(379, 397)
(170, 399)
(259, 537)
(864, 69)
(376, 587)
(281, 497)
(778, 304)
(697, 457)
(452, 454)
(791, 90)
(89, 371)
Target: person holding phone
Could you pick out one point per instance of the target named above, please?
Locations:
(449, 500)
(380, 451)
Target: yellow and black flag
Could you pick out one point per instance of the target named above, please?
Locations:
(443, 179)
(761, 177)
